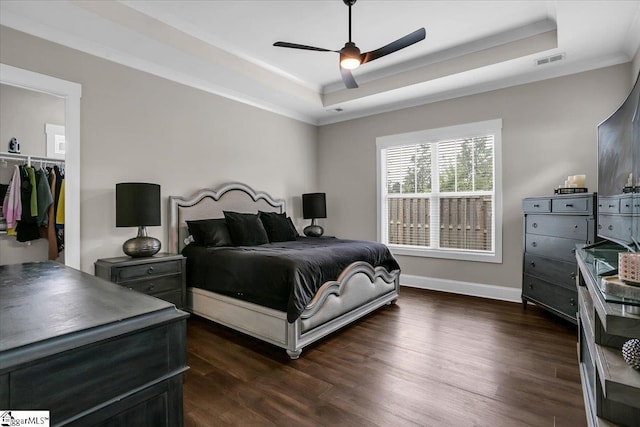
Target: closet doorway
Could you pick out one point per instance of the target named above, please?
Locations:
(71, 93)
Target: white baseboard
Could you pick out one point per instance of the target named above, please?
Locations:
(464, 288)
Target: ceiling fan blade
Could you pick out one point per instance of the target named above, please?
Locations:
(348, 79)
(395, 46)
(302, 46)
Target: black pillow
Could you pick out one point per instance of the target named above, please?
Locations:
(210, 232)
(278, 226)
(293, 227)
(245, 229)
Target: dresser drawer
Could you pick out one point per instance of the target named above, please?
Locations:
(626, 205)
(536, 205)
(571, 205)
(154, 285)
(571, 227)
(147, 270)
(558, 298)
(554, 271)
(608, 205)
(615, 226)
(552, 247)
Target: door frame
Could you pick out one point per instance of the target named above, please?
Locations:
(71, 92)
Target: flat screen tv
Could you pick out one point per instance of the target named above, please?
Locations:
(619, 173)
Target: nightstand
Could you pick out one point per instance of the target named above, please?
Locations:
(161, 276)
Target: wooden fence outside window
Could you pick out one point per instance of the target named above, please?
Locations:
(464, 222)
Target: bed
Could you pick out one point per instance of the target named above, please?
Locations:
(354, 287)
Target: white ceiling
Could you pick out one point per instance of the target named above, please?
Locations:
(225, 47)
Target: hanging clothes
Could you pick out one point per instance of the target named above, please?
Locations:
(45, 198)
(51, 226)
(60, 208)
(12, 205)
(27, 228)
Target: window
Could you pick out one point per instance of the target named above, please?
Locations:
(439, 192)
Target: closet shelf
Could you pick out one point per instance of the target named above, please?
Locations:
(28, 158)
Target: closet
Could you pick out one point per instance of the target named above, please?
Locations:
(36, 172)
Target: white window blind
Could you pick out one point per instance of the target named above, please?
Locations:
(438, 194)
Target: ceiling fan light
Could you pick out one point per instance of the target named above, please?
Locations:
(349, 63)
(350, 56)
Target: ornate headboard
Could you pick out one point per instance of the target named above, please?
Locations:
(209, 203)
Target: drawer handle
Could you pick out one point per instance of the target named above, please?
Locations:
(572, 302)
(573, 251)
(534, 244)
(575, 226)
(612, 206)
(568, 205)
(610, 227)
(572, 275)
(533, 264)
(535, 205)
(534, 225)
(530, 285)
(151, 287)
(599, 226)
(150, 270)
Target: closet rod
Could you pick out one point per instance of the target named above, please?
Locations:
(29, 158)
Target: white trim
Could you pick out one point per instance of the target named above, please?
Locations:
(71, 92)
(482, 290)
(462, 131)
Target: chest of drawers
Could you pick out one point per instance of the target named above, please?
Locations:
(552, 227)
(161, 276)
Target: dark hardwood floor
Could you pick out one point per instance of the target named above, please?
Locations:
(433, 359)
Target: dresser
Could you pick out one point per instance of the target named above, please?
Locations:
(90, 352)
(161, 275)
(611, 388)
(553, 226)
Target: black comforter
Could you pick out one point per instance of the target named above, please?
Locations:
(285, 275)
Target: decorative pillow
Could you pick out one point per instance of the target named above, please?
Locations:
(277, 226)
(210, 232)
(245, 229)
(293, 227)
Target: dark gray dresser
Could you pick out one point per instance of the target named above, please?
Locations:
(89, 351)
(553, 226)
(611, 388)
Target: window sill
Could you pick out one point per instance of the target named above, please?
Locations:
(495, 258)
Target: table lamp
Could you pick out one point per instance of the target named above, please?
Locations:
(314, 205)
(138, 205)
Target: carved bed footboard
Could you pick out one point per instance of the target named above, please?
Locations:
(359, 290)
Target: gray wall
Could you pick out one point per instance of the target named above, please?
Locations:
(549, 132)
(24, 114)
(139, 127)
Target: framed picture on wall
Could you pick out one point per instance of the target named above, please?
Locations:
(55, 141)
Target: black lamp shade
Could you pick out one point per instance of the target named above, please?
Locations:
(137, 204)
(314, 205)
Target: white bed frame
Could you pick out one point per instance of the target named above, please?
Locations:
(359, 290)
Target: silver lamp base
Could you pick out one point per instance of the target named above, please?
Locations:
(141, 245)
(313, 230)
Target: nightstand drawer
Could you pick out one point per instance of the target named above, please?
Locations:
(560, 272)
(554, 247)
(148, 270)
(174, 297)
(571, 227)
(571, 205)
(154, 285)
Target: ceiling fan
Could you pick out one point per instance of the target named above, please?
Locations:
(350, 56)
